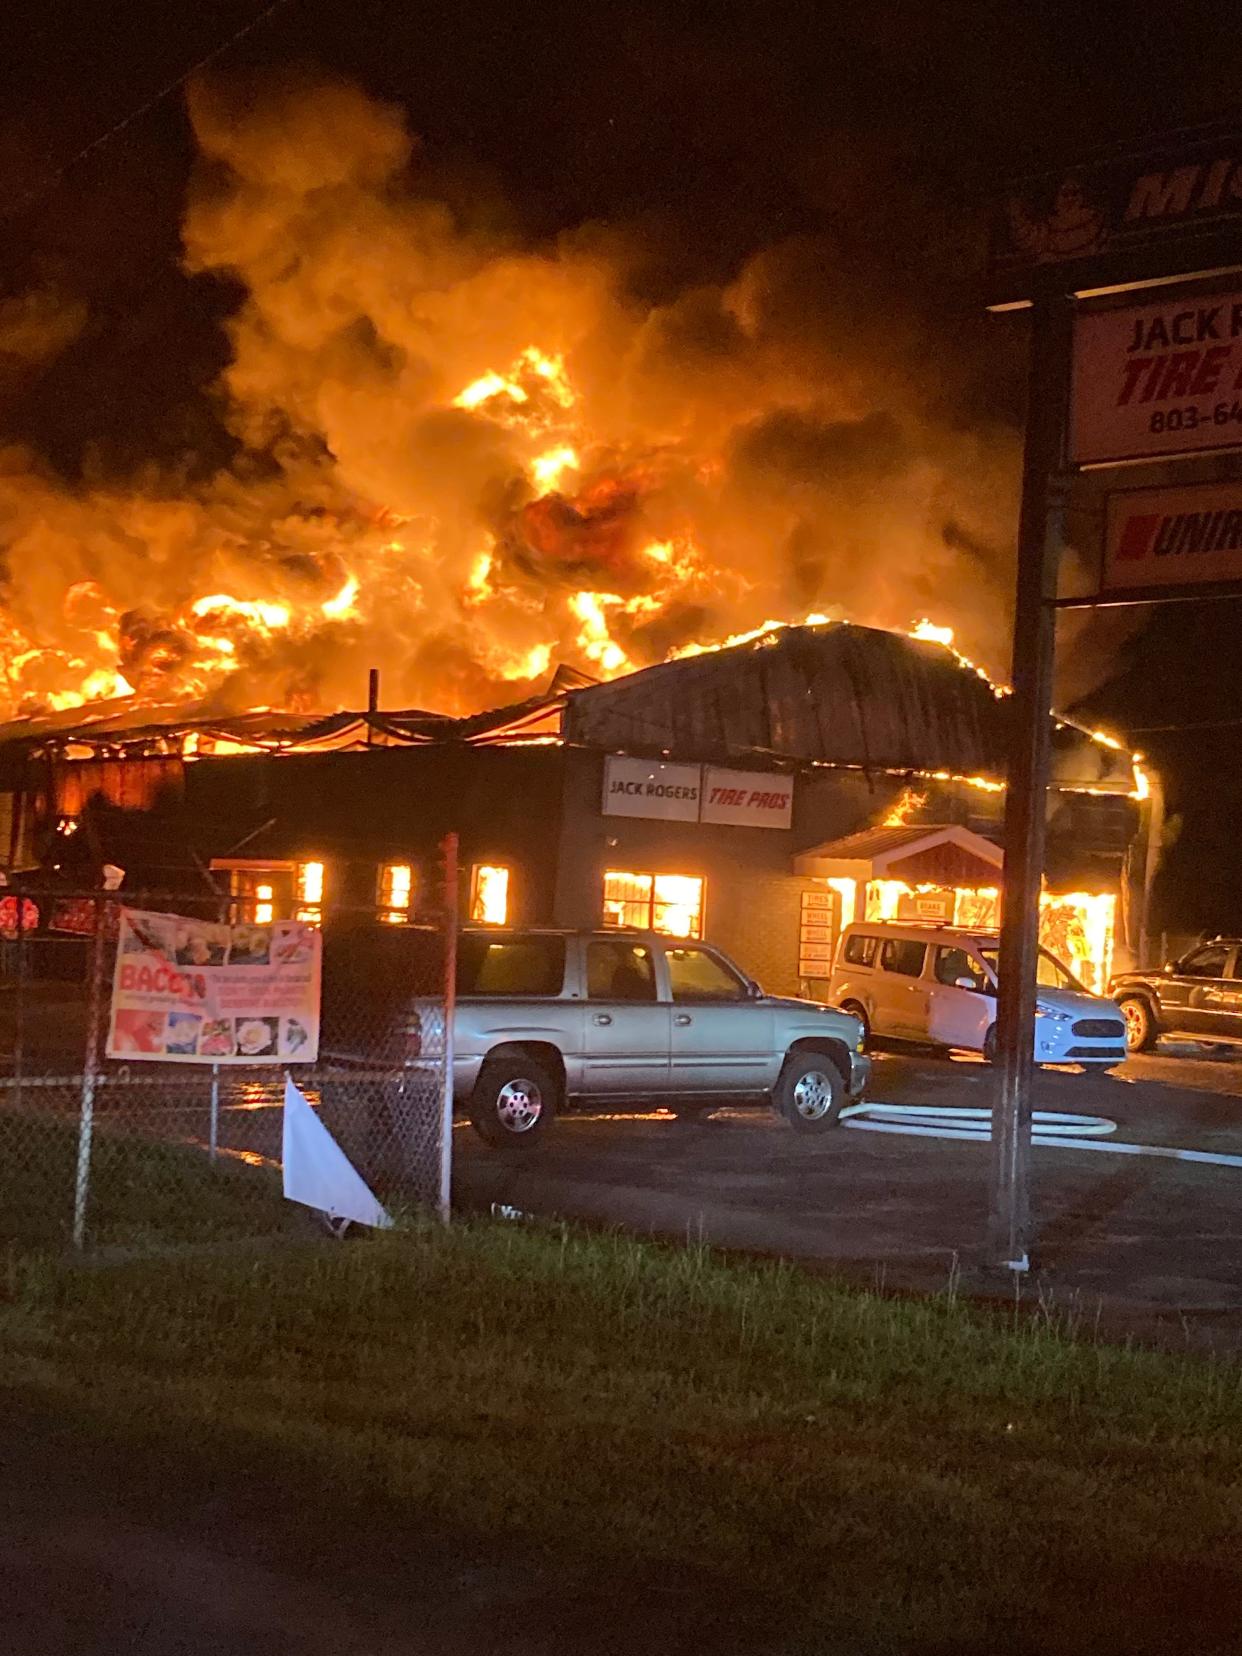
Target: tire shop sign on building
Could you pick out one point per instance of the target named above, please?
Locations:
(696, 793)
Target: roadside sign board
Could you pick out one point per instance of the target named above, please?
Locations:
(1173, 537)
(1158, 379)
(1133, 215)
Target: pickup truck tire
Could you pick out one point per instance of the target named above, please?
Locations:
(810, 1093)
(513, 1102)
(1141, 1031)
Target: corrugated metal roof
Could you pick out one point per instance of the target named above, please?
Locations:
(835, 694)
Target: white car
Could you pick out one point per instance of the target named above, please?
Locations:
(935, 984)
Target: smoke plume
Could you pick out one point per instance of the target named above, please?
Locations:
(464, 459)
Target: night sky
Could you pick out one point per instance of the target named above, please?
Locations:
(706, 132)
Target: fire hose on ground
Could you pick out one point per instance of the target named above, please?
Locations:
(1058, 1129)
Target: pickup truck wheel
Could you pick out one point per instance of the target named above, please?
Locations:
(1141, 1034)
(513, 1103)
(810, 1093)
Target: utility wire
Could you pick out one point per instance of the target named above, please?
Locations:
(50, 182)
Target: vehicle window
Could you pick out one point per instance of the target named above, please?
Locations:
(1209, 962)
(510, 966)
(860, 950)
(952, 964)
(901, 954)
(1050, 974)
(696, 975)
(620, 971)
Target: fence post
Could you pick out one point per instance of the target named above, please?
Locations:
(214, 1134)
(449, 848)
(90, 1076)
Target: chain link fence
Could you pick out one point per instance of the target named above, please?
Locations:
(99, 1151)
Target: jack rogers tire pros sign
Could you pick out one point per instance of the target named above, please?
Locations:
(1160, 379)
(696, 793)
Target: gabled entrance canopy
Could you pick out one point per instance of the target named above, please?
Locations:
(920, 854)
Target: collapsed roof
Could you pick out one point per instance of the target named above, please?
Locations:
(834, 694)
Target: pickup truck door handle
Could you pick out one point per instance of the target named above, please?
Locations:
(603, 1018)
(683, 1018)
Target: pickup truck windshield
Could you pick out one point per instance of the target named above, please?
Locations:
(510, 965)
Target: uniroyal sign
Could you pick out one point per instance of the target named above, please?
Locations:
(1173, 537)
(696, 793)
(1159, 379)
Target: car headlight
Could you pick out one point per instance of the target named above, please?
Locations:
(1051, 1012)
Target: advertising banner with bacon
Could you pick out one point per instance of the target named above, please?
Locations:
(188, 991)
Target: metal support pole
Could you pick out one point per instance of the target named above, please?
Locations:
(90, 1076)
(1029, 745)
(449, 849)
(19, 1008)
(213, 1137)
(1151, 860)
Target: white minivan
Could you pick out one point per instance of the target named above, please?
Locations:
(933, 984)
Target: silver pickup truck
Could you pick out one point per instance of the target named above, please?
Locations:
(545, 1018)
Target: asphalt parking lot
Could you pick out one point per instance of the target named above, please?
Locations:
(1135, 1243)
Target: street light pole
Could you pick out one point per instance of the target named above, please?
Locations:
(1030, 709)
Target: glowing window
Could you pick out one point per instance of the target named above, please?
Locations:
(396, 892)
(309, 888)
(263, 891)
(489, 894)
(669, 903)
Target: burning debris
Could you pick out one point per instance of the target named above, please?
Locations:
(467, 461)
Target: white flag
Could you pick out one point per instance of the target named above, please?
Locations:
(317, 1171)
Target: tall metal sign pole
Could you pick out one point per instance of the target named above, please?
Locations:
(1030, 707)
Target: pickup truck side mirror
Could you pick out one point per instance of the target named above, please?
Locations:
(965, 983)
(754, 991)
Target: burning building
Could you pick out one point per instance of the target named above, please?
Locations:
(763, 794)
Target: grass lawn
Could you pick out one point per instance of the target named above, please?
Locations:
(821, 1469)
(142, 1192)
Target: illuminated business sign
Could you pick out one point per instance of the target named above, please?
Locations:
(748, 799)
(1133, 215)
(1160, 379)
(648, 788)
(1173, 537)
(696, 793)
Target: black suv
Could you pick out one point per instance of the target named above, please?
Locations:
(1199, 996)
